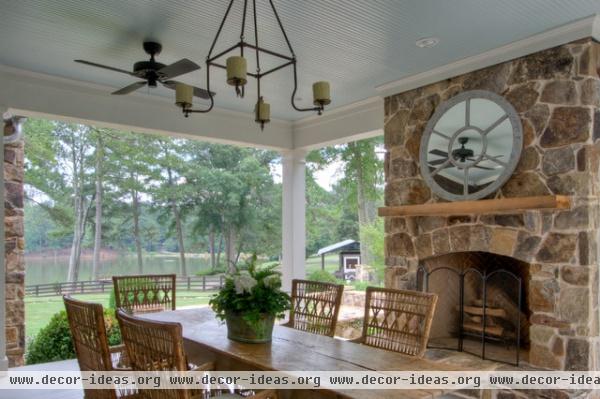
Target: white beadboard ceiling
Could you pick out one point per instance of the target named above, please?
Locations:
(355, 44)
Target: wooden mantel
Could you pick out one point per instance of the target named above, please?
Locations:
(500, 205)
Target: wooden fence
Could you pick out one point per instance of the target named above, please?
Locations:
(204, 283)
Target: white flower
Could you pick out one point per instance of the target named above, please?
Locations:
(243, 283)
(272, 281)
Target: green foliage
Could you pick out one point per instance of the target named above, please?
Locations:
(221, 191)
(112, 300)
(54, 342)
(372, 235)
(323, 276)
(360, 285)
(251, 293)
(212, 272)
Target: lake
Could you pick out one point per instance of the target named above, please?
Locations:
(52, 266)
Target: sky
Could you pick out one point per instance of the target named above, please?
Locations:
(326, 177)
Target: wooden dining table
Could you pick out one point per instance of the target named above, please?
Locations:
(205, 339)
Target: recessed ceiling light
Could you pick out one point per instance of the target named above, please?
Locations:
(427, 42)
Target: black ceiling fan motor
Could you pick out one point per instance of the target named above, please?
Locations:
(149, 69)
(462, 153)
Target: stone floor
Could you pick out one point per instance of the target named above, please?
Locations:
(46, 393)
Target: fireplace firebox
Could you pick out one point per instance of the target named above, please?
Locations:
(482, 307)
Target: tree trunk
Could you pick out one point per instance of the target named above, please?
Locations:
(178, 228)
(136, 231)
(75, 256)
(239, 252)
(78, 225)
(219, 249)
(180, 239)
(230, 248)
(211, 243)
(98, 217)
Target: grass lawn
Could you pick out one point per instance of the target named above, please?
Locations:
(332, 263)
(39, 310)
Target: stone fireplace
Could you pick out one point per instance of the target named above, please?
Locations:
(554, 253)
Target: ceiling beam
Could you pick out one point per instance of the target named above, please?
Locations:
(37, 95)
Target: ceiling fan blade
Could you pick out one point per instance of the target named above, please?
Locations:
(439, 152)
(198, 92)
(104, 67)
(131, 88)
(438, 161)
(180, 67)
(483, 167)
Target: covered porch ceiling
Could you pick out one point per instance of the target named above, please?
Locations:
(366, 49)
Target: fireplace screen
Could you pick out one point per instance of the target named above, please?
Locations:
(480, 307)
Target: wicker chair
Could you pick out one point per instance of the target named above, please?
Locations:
(315, 306)
(158, 346)
(145, 293)
(86, 321)
(398, 320)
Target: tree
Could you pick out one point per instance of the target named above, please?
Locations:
(232, 194)
(362, 179)
(99, 161)
(169, 191)
(134, 157)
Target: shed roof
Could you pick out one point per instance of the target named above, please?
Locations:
(337, 246)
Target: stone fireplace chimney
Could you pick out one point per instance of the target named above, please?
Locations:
(556, 93)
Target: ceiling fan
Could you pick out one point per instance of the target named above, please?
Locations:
(461, 154)
(154, 72)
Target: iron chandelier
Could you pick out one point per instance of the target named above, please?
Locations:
(237, 74)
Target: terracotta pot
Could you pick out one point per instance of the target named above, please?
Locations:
(240, 330)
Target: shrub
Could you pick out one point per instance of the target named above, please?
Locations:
(323, 276)
(112, 300)
(54, 341)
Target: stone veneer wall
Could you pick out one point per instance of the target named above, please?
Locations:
(14, 257)
(556, 93)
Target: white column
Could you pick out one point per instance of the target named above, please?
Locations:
(293, 229)
(3, 358)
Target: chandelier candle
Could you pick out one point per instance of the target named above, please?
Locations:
(184, 95)
(321, 93)
(263, 112)
(236, 72)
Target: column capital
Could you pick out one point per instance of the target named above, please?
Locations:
(12, 127)
(299, 153)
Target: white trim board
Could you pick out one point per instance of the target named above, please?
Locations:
(357, 121)
(582, 28)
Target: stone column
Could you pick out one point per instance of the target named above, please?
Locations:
(293, 216)
(3, 358)
(12, 319)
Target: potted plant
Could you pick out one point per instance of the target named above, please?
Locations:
(250, 301)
